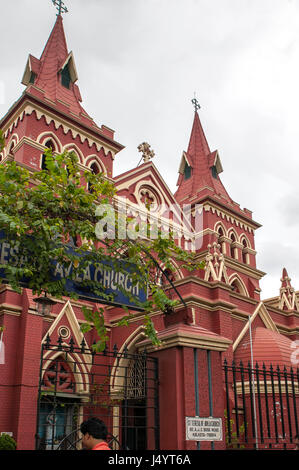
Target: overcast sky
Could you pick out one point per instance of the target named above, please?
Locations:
(139, 63)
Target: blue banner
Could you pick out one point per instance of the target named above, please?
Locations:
(109, 278)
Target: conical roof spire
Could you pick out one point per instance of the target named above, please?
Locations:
(53, 77)
(199, 168)
(198, 146)
(56, 45)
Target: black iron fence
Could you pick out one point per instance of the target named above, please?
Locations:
(261, 406)
(118, 387)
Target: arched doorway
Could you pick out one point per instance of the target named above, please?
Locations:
(59, 405)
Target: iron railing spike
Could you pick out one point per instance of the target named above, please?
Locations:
(59, 342)
(83, 344)
(48, 341)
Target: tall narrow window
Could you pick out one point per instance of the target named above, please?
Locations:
(214, 172)
(11, 147)
(32, 77)
(95, 170)
(66, 77)
(49, 144)
(187, 171)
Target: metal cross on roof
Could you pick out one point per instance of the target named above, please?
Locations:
(196, 104)
(60, 6)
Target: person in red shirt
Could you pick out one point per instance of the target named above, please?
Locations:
(94, 434)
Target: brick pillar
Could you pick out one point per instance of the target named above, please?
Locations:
(27, 376)
(187, 386)
(9, 319)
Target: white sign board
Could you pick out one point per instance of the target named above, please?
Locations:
(203, 429)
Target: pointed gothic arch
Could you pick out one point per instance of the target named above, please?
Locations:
(243, 237)
(238, 284)
(44, 137)
(130, 345)
(74, 148)
(220, 226)
(94, 160)
(12, 143)
(75, 365)
(174, 274)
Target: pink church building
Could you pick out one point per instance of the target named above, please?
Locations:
(200, 389)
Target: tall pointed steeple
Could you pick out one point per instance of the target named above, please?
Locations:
(53, 77)
(199, 168)
(50, 112)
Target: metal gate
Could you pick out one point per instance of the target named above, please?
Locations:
(262, 406)
(117, 387)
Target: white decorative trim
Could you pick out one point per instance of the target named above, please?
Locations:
(262, 311)
(58, 122)
(235, 277)
(48, 135)
(68, 311)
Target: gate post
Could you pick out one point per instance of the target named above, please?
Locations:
(27, 376)
(190, 381)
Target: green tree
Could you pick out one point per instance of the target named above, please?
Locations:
(7, 442)
(41, 210)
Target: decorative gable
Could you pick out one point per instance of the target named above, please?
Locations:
(66, 326)
(261, 312)
(143, 191)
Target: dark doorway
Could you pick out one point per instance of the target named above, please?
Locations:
(134, 424)
(57, 419)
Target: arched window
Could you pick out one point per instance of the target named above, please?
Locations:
(236, 286)
(168, 274)
(95, 170)
(11, 147)
(220, 232)
(49, 144)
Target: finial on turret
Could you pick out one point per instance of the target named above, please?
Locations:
(60, 7)
(195, 104)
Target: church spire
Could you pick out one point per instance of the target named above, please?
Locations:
(199, 168)
(53, 77)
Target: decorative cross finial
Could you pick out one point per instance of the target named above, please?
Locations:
(60, 6)
(195, 104)
(147, 153)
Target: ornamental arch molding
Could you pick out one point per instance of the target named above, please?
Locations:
(94, 159)
(233, 232)
(219, 225)
(73, 148)
(244, 237)
(44, 137)
(235, 279)
(76, 365)
(121, 363)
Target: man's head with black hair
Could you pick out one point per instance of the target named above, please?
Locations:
(94, 431)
